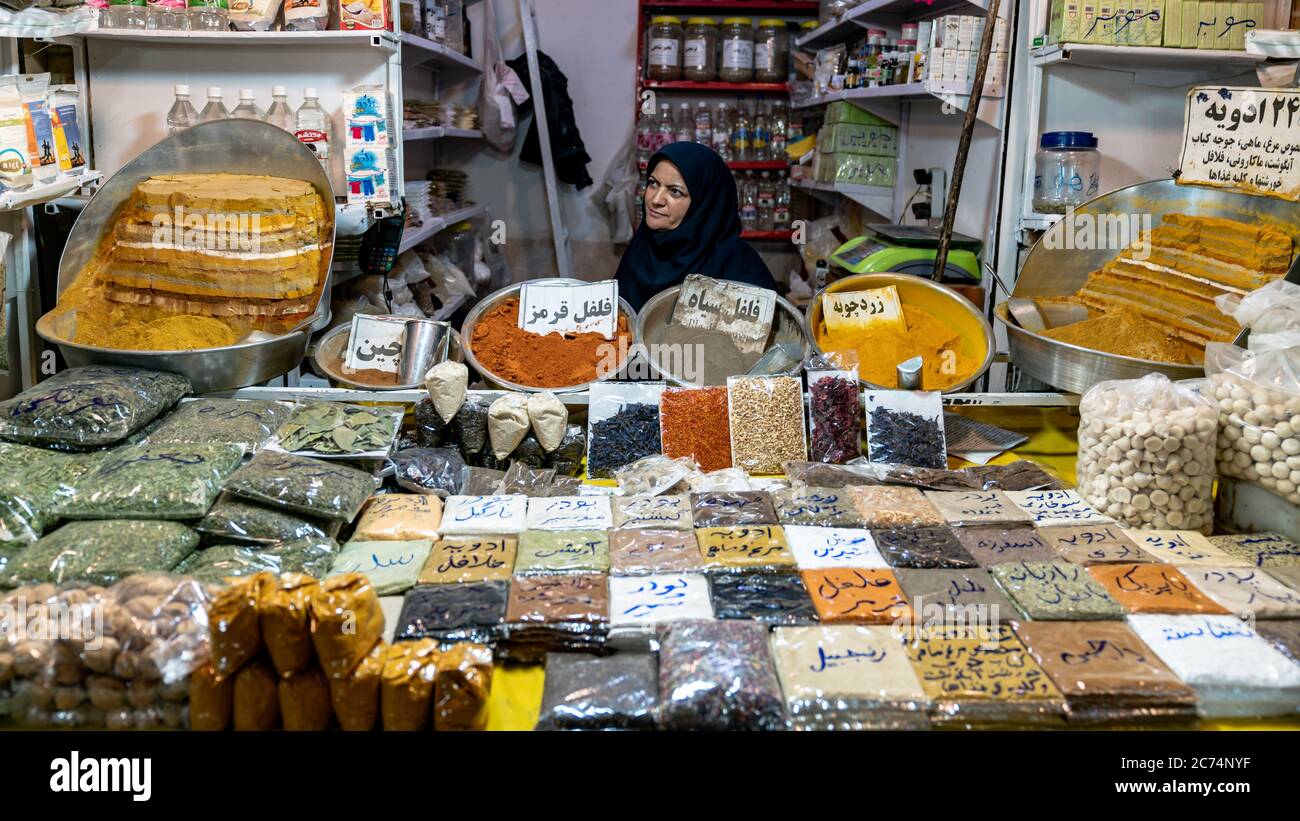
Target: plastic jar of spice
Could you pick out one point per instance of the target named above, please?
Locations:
(700, 50)
(737, 37)
(771, 52)
(664, 49)
(1067, 171)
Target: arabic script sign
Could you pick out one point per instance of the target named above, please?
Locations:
(569, 309)
(852, 310)
(741, 311)
(1243, 139)
(375, 343)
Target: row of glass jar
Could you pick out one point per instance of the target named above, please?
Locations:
(702, 51)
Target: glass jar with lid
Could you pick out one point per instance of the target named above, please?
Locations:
(664, 49)
(1067, 171)
(700, 50)
(771, 52)
(737, 38)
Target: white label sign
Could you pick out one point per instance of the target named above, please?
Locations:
(1243, 139)
(862, 309)
(375, 343)
(743, 311)
(570, 309)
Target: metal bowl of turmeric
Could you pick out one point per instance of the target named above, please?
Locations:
(953, 338)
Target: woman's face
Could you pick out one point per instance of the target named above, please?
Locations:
(666, 198)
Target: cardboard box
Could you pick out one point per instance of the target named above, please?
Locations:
(1222, 31)
(949, 74)
(857, 169)
(1237, 37)
(843, 111)
(1173, 24)
(949, 31)
(934, 66)
(852, 138)
(1087, 20)
(372, 15)
(369, 172)
(965, 32)
(1256, 12)
(1001, 36)
(1153, 29)
(1103, 29)
(1202, 22)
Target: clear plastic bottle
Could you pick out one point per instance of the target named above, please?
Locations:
(208, 15)
(703, 124)
(766, 202)
(684, 130)
(126, 14)
(780, 130)
(312, 126)
(646, 141)
(280, 114)
(247, 108)
(167, 15)
(762, 139)
(749, 203)
(182, 114)
(741, 135)
(722, 132)
(216, 107)
(665, 131)
(781, 213)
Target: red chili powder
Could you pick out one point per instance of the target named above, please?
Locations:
(694, 423)
(543, 360)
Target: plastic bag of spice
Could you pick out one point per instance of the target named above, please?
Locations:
(529, 452)
(305, 700)
(549, 418)
(507, 423)
(718, 675)
(257, 698)
(525, 480)
(693, 422)
(213, 421)
(464, 681)
(567, 458)
(766, 419)
(622, 425)
(35, 484)
(90, 407)
(478, 481)
(654, 475)
(100, 552)
(406, 688)
(446, 383)
(285, 619)
(235, 625)
(346, 622)
(906, 428)
(835, 417)
(436, 471)
(430, 430)
(582, 692)
(729, 509)
(469, 428)
(244, 521)
(399, 517)
(356, 698)
(727, 479)
(153, 482)
(309, 486)
(211, 700)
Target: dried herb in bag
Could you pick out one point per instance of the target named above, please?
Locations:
(469, 428)
(33, 485)
(90, 407)
(435, 471)
(333, 429)
(101, 552)
(219, 562)
(835, 417)
(231, 517)
(628, 435)
(816, 506)
(479, 481)
(430, 430)
(718, 675)
(567, 458)
(731, 509)
(244, 422)
(310, 486)
(1056, 591)
(154, 482)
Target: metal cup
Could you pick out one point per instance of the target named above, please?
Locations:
(424, 344)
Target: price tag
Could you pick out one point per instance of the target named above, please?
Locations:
(855, 310)
(1243, 139)
(569, 309)
(741, 311)
(375, 343)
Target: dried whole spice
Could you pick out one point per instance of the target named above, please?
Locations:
(310, 486)
(245, 422)
(1056, 591)
(333, 429)
(903, 438)
(922, 547)
(885, 506)
(718, 675)
(469, 428)
(529, 453)
(770, 598)
(584, 692)
(100, 552)
(436, 471)
(454, 612)
(766, 419)
(542, 360)
(568, 457)
(430, 429)
(816, 506)
(731, 509)
(153, 482)
(233, 518)
(479, 481)
(694, 424)
(628, 435)
(836, 419)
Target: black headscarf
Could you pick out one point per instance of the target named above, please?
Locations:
(706, 242)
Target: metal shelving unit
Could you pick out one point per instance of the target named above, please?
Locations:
(439, 224)
(439, 132)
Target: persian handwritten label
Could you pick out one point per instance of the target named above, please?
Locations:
(483, 514)
(1243, 139)
(744, 548)
(569, 513)
(462, 560)
(569, 309)
(550, 551)
(375, 343)
(652, 599)
(856, 596)
(822, 547)
(1182, 547)
(741, 311)
(392, 567)
(1093, 544)
(1053, 508)
(856, 310)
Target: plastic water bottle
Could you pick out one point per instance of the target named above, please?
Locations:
(741, 136)
(209, 15)
(182, 114)
(722, 132)
(762, 136)
(749, 203)
(216, 107)
(780, 130)
(664, 132)
(684, 131)
(646, 142)
(766, 202)
(280, 114)
(703, 124)
(312, 127)
(166, 15)
(781, 214)
(247, 108)
(126, 14)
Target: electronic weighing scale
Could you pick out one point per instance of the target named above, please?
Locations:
(908, 249)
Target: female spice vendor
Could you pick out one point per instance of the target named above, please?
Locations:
(690, 226)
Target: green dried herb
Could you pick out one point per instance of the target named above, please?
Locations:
(87, 408)
(33, 484)
(214, 564)
(101, 552)
(244, 422)
(331, 429)
(310, 486)
(1056, 591)
(244, 521)
(154, 482)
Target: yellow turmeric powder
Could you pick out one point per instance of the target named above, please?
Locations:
(879, 350)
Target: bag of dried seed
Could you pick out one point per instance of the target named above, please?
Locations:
(765, 415)
(406, 689)
(347, 622)
(285, 620)
(567, 457)
(906, 428)
(356, 697)
(718, 675)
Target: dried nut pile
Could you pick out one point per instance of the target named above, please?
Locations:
(1259, 435)
(1149, 468)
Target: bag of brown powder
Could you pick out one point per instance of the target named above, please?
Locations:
(346, 622)
(406, 691)
(233, 622)
(462, 687)
(305, 701)
(257, 701)
(507, 423)
(399, 517)
(356, 698)
(286, 622)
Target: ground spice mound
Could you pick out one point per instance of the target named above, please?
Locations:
(543, 360)
(1122, 332)
(880, 350)
(173, 333)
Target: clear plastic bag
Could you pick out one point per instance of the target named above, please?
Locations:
(1056, 591)
(406, 688)
(717, 675)
(1147, 453)
(562, 551)
(731, 509)
(347, 622)
(430, 430)
(567, 459)
(883, 506)
(33, 486)
(834, 416)
(654, 512)
(153, 482)
(567, 611)
(623, 425)
(976, 507)
(816, 506)
(284, 616)
(100, 552)
(472, 515)
(641, 552)
(462, 686)
(399, 517)
(906, 428)
(332, 430)
(254, 15)
(455, 612)
(235, 626)
(570, 513)
(1258, 394)
(446, 383)
(1272, 313)
(720, 481)
(392, 567)
(618, 692)
(653, 475)
(745, 549)
(478, 481)
(924, 547)
(89, 407)
(233, 518)
(524, 480)
(469, 428)
(210, 421)
(766, 417)
(218, 563)
(768, 598)
(507, 423)
(435, 471)
(309, 486)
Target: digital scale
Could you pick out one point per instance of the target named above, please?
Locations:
(909, 249)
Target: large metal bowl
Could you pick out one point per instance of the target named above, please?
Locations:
(331, 344)
(226, 146)
(1054, 267)
(976, 333)
(488, 302)
(787, 323)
